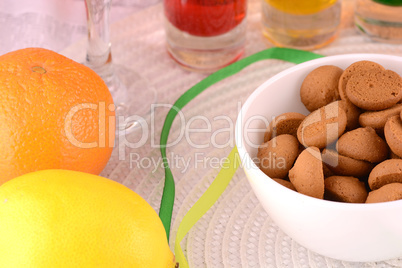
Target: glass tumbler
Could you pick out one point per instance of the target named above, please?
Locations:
(205, 35)
(302, 24)
(381, 20)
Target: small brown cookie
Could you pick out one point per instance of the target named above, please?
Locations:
(326, 170)
(307, 174)
(285, 183)
(386, 172)
(320, 87)
(345, 189)
(377, 119)
(323, 126)
(286, 123)
(277, 156)
(352, 114)
(354, 68)
(373, 90)
(392, 155)
(393, 134)
(389, 192)
(345, 166)
(363, 144)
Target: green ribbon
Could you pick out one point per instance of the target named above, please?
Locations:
(205, 202)
(394, 3)
(228, 170)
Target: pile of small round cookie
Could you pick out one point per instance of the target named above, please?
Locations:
(349, 148)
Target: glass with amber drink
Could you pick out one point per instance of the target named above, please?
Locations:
(302, 24)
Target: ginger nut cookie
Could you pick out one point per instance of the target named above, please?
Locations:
(377, 119)
(345, 189)
(285, 183)
(373, 90)
(320, 87)
(344, 165)
(363, 144)
(359, 66)
(307, 174)
(393, 134)
(277, 156)
(286, 123)
(389, 192)
(352, 114)
(323, 126)
(386, 172)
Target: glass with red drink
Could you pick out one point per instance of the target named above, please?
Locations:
(205, 35)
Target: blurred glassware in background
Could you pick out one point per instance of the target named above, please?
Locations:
(139, 3)
(302, 24)
(381, 20)
(205, 35)
(132, 94)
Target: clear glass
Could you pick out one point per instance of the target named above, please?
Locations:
(305, 24)
(131, 93)
(205, 35)
(378, 21)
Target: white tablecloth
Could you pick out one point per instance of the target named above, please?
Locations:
(236, 232)
(53, 24)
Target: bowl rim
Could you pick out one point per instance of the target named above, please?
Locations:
(259, 175)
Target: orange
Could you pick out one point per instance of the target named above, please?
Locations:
(54, 114)
(63, 218)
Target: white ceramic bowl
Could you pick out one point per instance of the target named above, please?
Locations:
(350, 232)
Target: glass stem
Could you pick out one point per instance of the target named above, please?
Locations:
(99, 56)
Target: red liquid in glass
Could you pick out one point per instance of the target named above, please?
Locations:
(205, 17)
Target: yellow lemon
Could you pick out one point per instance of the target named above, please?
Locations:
(301, 7)
(60, 218)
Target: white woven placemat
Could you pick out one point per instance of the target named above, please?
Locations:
(236, 232)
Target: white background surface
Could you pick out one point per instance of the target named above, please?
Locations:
(236, 231)
(53, 24)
